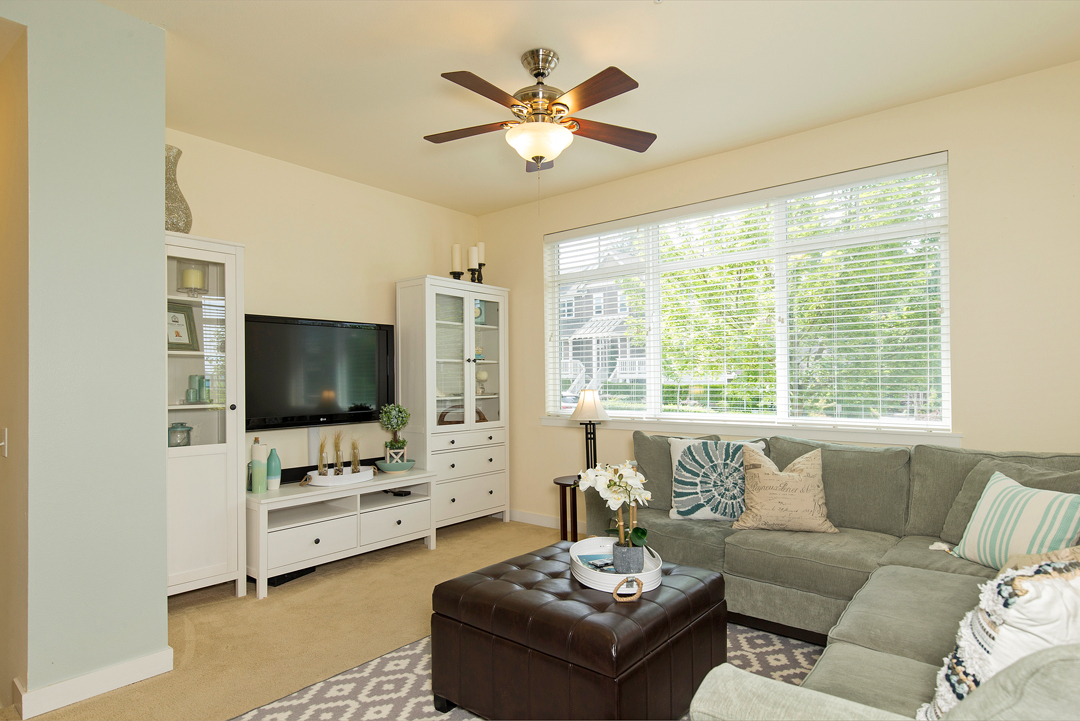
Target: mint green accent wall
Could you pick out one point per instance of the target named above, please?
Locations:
(96, 474)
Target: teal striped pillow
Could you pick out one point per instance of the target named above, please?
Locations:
(1010, 519)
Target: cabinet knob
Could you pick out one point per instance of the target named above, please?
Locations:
(232, 407)
(491, 493)
(453, 500)
(316, 541)
(453, 442)
(399, 523)
(491, 438)
(453, 465)
(491, 460)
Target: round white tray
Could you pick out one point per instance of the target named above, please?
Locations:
(649, 576)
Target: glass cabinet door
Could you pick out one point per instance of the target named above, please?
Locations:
(451, 369)
(486, 363)
(196, 329)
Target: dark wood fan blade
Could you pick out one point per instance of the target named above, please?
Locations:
(636, 140)
(464, 132)
(477, 84)
(600, 87)
(530, 166)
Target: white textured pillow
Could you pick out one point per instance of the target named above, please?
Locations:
(708, 479)
(1019, 612)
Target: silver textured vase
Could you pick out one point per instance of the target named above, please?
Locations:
(628, 559)
(177, 211)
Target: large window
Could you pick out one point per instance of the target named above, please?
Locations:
(824, 302)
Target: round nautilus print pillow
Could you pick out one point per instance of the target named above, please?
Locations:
(709, 481)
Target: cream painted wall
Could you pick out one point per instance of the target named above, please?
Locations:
(1014, 166)
(14, 362)
(316, 246)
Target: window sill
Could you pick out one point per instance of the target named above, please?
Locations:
(810, 431)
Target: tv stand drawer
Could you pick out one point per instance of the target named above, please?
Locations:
(395, 521)
(303, 543)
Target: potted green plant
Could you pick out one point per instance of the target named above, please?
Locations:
(619, 486)
(394, 417)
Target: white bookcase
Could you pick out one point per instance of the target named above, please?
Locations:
(205, 481)
(453, 376)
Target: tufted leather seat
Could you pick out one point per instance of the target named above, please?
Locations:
(523, 639)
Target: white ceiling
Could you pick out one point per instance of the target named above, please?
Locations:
(350, 87)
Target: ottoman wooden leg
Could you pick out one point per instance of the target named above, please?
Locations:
(443, 705)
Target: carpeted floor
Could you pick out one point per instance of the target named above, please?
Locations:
(232, 654)
(398, 684)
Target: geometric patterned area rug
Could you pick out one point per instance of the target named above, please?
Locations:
(398, 684)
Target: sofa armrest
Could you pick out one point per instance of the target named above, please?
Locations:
(597, 515)
(1039, 686)
(731, 694)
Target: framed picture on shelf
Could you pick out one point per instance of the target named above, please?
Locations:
(180, 324)
(480, 312)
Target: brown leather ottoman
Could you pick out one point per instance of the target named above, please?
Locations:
(524, 640)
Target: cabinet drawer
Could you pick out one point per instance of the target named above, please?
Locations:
(458, 464)
(302, 543)
(396, 521)
(454, 441)
(469, 496)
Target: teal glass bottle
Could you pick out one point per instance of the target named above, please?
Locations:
(273, 471)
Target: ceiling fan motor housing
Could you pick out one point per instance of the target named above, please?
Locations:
(540, 62)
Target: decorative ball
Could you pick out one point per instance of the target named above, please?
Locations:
(481, 376)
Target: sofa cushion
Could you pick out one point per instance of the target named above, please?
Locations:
(834, 565)
(709, 480)
(1011, 519)
(686, 542)
(938, 473)
(914, 552)
(788, 500)
(653, 456)
(909, 612)
(865, 488)
(881, 680)
(971, 491)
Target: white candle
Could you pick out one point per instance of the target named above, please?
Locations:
(480, 252)
(455, 257)
(473, 258)
(192, 278)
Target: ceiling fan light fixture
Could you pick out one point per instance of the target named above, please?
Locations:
(539, 140)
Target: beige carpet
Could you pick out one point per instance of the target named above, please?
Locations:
(236, 654)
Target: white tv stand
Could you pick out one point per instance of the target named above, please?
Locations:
(297, 527)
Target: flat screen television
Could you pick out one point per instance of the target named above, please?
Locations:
(303, 372)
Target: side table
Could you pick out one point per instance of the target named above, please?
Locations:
(567, 484)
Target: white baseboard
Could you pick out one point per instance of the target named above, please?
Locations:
(536, 519)
(49, 698)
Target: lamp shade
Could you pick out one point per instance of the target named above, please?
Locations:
(539, 140)
(589, 407)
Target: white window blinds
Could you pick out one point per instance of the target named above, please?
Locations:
(821, 302)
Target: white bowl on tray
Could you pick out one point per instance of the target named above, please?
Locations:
(649, 577)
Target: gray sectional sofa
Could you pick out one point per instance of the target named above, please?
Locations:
(889, 605)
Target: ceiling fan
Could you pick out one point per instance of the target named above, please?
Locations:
(542, 127)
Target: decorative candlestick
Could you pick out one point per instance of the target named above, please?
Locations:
(455, 261)
(480, 273)
(472, 274)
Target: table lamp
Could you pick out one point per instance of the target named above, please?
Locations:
(589, 410)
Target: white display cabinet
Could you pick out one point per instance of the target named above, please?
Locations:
(452, 375)
(205, 470)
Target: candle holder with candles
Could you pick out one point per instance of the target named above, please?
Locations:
(474, 263)
(480, 262)
(192, 277)
(455, 262)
